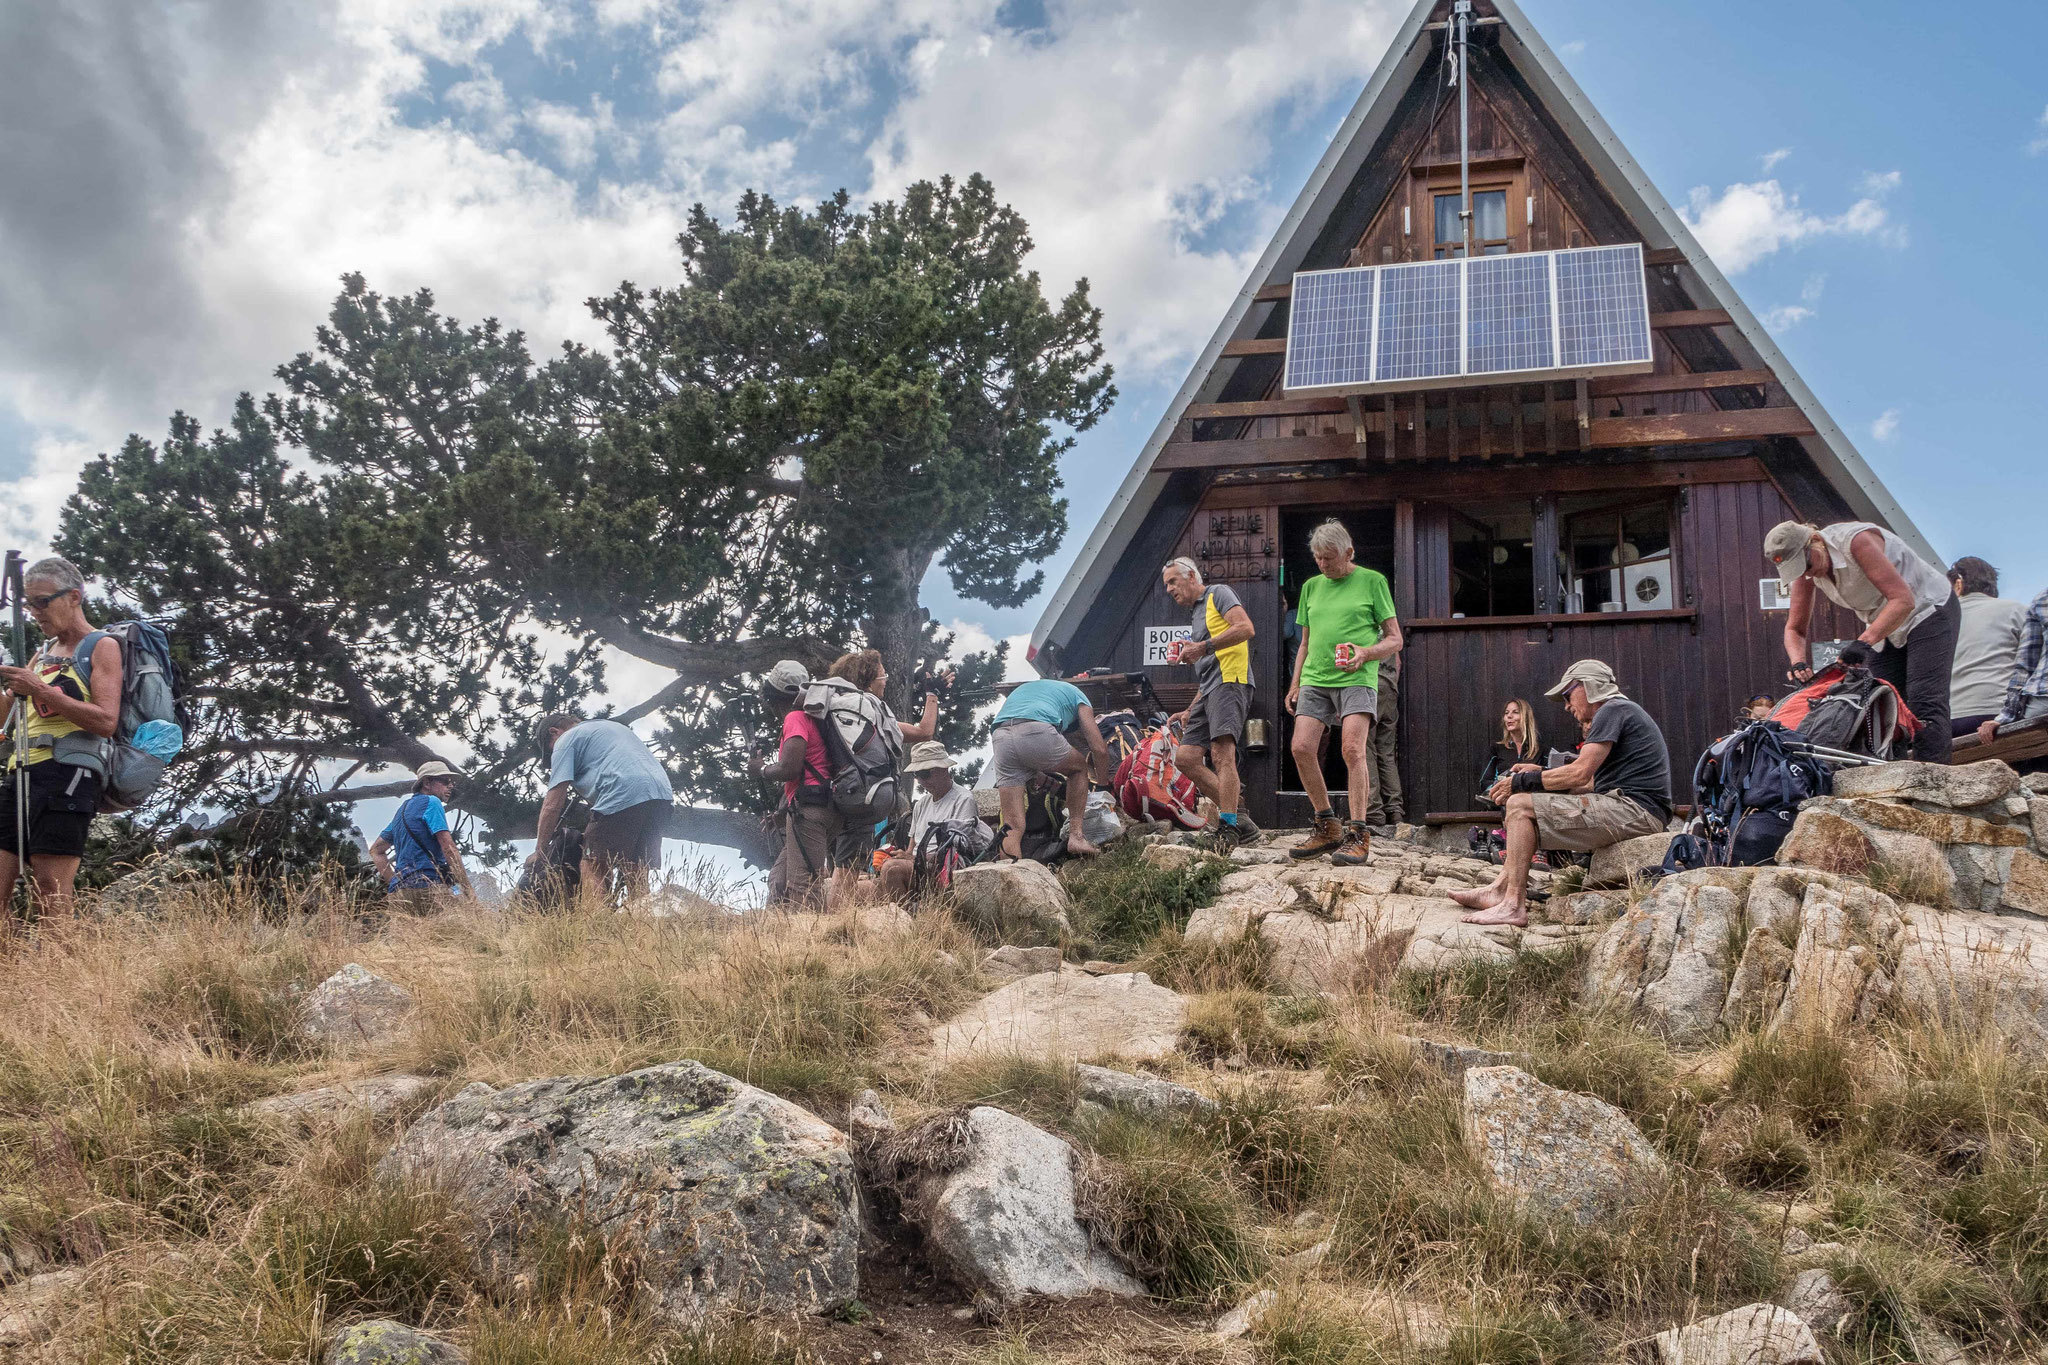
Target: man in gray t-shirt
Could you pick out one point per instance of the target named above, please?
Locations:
(1619, 787)
(628, 790)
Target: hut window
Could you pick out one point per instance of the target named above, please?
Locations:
(1489, 223)
(1617, 554)
(1493, 559)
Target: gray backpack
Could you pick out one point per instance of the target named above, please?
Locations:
(149, 732)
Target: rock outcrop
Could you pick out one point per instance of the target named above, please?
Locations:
(1335, 928)
(1618, 864)
(1759, 1334)
(1020, 902)
(1000, 1215)
(731, 1196)
(1067, 1015)
(381, 1341)
(354, 1006)
(1558, 1153)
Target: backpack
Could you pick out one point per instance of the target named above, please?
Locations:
(554, 880)
(866, 749)
(1746, 792)
(151, 728)
(1045, 822)
(415, 824)
(1149, 785)
(1122, 734)
(1851, 709)
(943, 851)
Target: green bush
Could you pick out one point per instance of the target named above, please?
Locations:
(1121, 901)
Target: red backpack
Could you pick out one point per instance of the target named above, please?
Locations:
(1150, 786)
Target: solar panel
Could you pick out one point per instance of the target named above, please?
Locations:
(1418, 325)
(1604, 315)
(1337, 346)
(1428, 323)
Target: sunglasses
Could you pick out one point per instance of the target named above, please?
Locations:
(43, 602)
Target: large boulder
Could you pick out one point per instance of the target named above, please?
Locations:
(1001, 1215)
(1759, 1334)
(381, 1341)
(354, 1006)
(1616, 864)
(1561, 1154)
(730, 1196)
(1017, 902)
(1936, 784)
(1976, 973)
(1927, 853)
(1067, 1015)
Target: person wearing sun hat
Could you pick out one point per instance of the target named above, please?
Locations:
(426, 857)
(941, 801)
(1619, 787)
(1910, 615)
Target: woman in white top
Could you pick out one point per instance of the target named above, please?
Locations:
(1909, 613)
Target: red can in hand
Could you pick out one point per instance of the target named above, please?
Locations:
(1347, 654)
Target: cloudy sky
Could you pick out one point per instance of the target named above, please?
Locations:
(185, 181)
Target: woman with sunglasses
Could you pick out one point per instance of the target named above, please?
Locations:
(59, 726)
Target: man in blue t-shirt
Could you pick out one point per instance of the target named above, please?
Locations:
(416, 852)
(627, 788)
(1034, 737)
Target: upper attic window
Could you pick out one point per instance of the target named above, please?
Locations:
(1489, 223)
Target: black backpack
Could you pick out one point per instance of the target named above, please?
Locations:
(1858, 715)
(1746, 791)
(1045, 823)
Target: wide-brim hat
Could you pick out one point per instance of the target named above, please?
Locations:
(1593, 675)
(926, 755)
(434, 768)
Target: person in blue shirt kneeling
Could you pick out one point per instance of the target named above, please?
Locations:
(426, 858)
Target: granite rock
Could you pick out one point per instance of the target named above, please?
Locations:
(1019, 902)
(1561, 1154)
(1758, 1334)
(354, 1006)
(1067, 1015)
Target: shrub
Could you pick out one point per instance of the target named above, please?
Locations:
(1164, 1202)
(1811, 1077)
(1121, 901)
(1478, 996)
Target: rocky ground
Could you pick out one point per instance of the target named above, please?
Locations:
(1163, 1107)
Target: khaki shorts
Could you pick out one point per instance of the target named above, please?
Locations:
(1582, 823)
(1024, 749)
(1331, 704)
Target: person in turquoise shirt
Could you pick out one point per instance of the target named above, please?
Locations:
(1034, 736)
(1347, 627)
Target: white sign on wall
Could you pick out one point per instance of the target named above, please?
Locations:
(1157, 640)
(1773, 595)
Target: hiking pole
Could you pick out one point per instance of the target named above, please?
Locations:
(17, 717)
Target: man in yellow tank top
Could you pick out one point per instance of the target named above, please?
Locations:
(52, 720)
(1213, 724)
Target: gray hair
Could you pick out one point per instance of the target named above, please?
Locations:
(1331, 536)
(55, 570)
(1184, 566)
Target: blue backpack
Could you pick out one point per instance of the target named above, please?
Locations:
(150, 731)
(1746, 791)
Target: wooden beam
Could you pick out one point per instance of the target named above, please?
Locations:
(1278, 293)
(1378, 486)
(1274, 293)
(1255, 346)
(1336, 445)
(1663, 255)
(1691, 317)
(1614, 386)
(1698, 428)
(1266, 407)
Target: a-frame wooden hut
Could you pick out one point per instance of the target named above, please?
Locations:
(1522, 525)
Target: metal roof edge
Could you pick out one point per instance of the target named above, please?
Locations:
(1325, 185)
(1849, 473)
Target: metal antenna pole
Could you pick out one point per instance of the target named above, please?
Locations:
(1463, 12)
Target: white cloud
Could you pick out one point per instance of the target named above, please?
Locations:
(1885, 426)
(1771, 159)
(2040, 142)
(1788, 315)
(1571, 49)
(1746, 222)
(971, 637)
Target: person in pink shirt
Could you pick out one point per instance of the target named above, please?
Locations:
(810, 821)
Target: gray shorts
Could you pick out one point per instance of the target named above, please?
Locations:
(1331, 704)
(1024, 749)
(1217, 714)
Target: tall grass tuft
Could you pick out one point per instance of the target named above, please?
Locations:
(1169, 1206)
(1121, 901)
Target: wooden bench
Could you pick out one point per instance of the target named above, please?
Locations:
(2016, 743)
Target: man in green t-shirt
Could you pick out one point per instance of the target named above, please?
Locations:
(1347, 623)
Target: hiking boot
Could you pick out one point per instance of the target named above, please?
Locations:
(1225, 837)
(1357, 848)
(1247, 828)
(1323, 836)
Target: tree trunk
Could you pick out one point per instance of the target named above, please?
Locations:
(898, 630)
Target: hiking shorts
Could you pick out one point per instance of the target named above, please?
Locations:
(1217, 714)
(632, 835)
(1589, 820)
(1331, 704)
(62, 799)
(1025, 749)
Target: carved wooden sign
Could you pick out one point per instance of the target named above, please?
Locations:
(1237, 547)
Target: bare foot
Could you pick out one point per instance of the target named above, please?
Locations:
(1080, 847)
(1479, 897)
(1503, 913)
